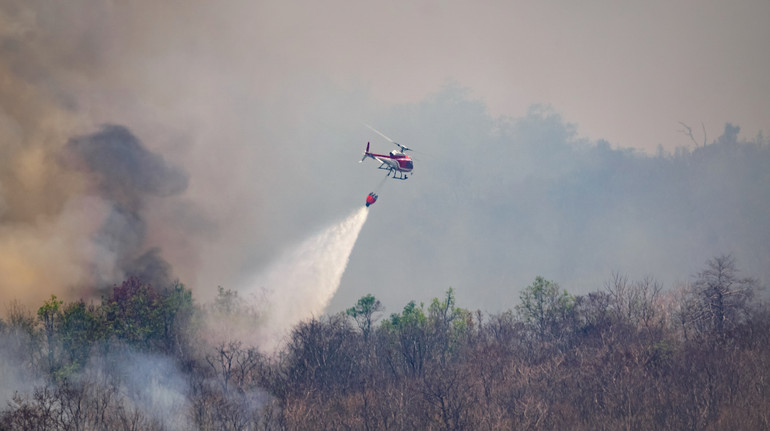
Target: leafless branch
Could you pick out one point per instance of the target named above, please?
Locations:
(687, 131)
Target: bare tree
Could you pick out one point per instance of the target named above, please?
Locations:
(724, 295)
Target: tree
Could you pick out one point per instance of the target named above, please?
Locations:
(724, 296)
(634, 303)
(176, 309)
(50, 315)
(407, 333)
(145, 317)
(21, 341)
(318, 354)
(80, 329)
(132, 313)
(544, 306)
(447, 323)
(444, 313)
(365, 313)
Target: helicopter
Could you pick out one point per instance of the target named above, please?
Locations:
(396, 163)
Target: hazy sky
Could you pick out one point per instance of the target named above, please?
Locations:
(624, 71)
(260, 105)
(627, 72)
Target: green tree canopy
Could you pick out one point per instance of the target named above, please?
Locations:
(365, 313)
(544, 306)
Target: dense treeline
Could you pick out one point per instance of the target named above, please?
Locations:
(628, 356)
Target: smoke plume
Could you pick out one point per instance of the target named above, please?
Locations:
(96, 233)
(125, 175)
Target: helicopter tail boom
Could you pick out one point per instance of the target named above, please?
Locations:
(366, 153)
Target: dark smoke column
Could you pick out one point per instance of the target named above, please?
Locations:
(124, 174)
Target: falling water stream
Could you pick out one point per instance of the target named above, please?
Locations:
(301, 282)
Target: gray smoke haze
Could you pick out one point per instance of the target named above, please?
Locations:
(152, 384)
(250, 117)
(146, 390)
(496, 202)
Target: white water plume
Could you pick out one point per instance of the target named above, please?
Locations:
(300, 284)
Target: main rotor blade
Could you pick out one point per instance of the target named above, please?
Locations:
(379, 133)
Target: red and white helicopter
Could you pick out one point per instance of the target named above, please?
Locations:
(396, 163)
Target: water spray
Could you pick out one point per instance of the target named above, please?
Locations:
(300, 284)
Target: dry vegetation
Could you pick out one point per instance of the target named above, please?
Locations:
(628, 356)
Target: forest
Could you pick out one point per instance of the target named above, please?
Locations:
(630, 355)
